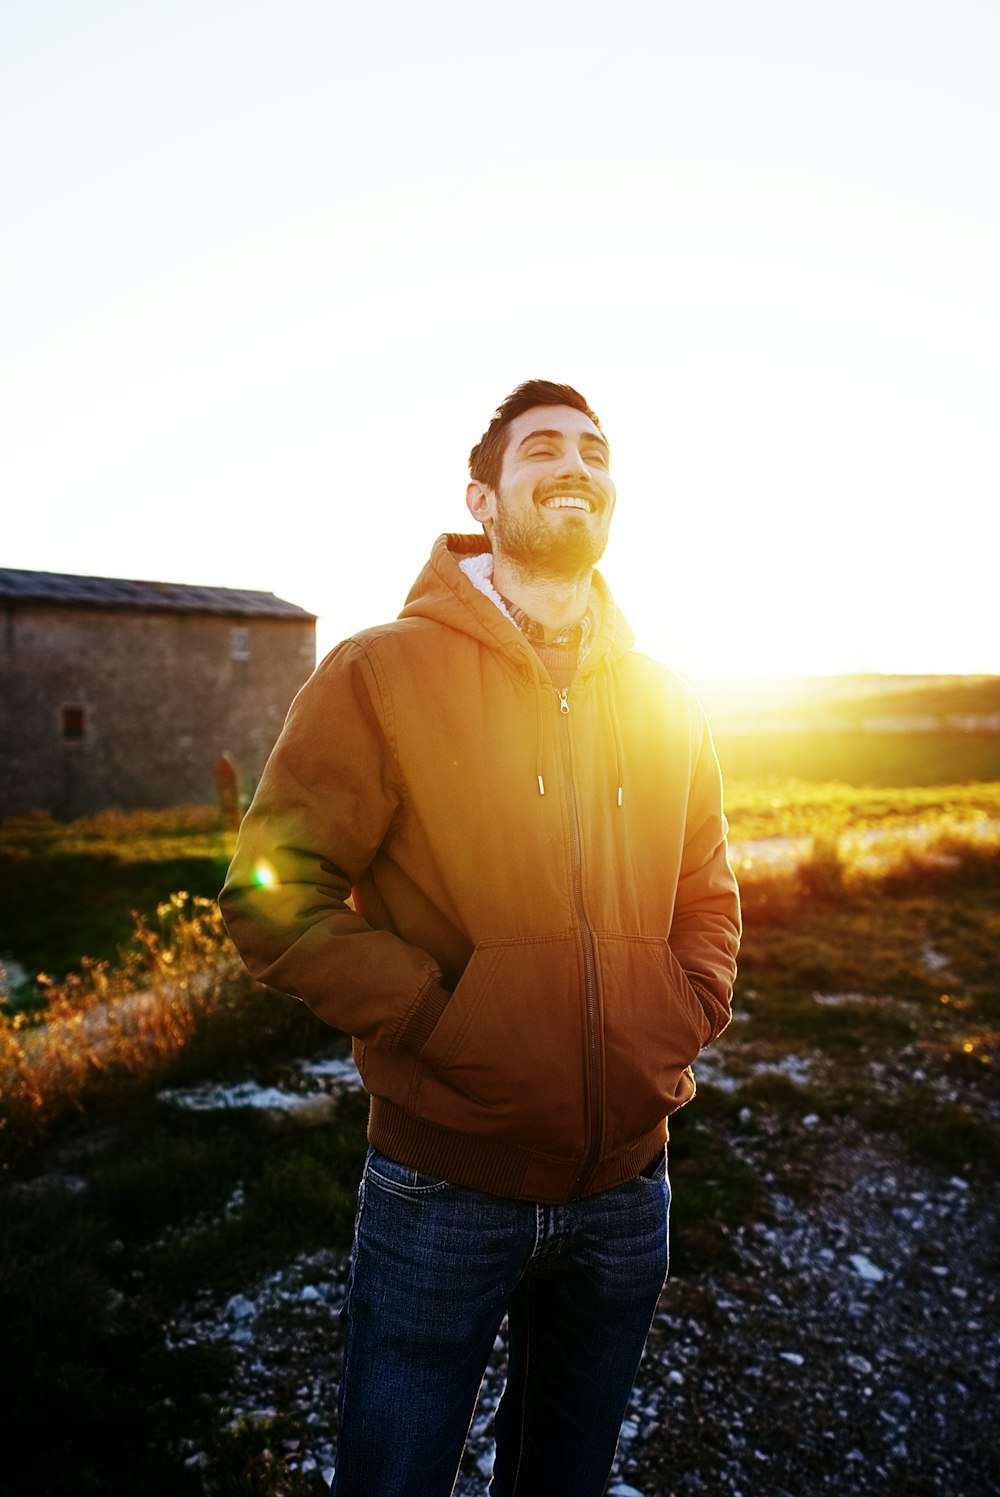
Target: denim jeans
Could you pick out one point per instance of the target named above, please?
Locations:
(435, 1269)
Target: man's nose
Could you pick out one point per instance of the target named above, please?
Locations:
(571, 463)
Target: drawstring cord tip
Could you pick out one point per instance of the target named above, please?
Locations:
(541, 785)
(619, 796)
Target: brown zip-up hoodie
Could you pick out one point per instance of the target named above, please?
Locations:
(544, 924)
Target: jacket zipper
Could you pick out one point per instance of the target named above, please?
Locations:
(589, 962)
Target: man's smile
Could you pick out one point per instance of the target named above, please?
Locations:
(581, 497)
(568, 501)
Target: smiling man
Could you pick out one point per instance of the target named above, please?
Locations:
(548, 511)
(489, 845)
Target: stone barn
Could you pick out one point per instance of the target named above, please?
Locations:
(126, 694)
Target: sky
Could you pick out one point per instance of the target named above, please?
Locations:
(266, 271)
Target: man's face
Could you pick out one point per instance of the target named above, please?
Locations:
(552, 507)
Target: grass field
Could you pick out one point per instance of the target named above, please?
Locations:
(68, 889)
(866, 991)
(890, 761)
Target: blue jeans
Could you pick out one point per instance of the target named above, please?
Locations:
(435, 1269)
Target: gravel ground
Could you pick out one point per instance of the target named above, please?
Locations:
(853, 1350)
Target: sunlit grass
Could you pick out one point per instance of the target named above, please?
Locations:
(833, 836)
(795, 807)
(67, 889)
(177, 1001)
(860, 759)
(130, 836)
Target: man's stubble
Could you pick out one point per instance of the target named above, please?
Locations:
(536, 550)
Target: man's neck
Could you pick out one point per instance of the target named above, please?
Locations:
(554, 602)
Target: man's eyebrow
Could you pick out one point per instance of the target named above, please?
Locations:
(587, 436)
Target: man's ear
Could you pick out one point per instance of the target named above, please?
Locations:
(479, 500)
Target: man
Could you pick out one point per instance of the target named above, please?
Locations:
(542, 937)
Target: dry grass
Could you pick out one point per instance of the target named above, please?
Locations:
(792, 807)
(830, 837)
(178, 1003)
(107, 1023)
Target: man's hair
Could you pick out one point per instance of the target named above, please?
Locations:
(486, 458)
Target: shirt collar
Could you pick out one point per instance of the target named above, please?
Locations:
(575, 636)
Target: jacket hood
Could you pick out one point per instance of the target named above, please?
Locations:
(442, 592)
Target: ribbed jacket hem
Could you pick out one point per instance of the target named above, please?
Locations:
(497, 1168)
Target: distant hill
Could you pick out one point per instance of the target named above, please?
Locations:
(869, 703)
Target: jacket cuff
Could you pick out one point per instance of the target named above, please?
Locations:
(717, 1014)
(426, 1012)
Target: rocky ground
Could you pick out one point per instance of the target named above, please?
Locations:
(854, 1349)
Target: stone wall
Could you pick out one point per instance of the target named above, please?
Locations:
(108, 707)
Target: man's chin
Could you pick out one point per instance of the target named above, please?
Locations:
(562, 546)
(566, 561)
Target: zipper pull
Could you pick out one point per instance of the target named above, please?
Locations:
(564, 701)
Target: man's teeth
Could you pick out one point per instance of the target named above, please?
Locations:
(568, 501)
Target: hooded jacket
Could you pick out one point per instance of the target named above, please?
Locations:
(516, 900)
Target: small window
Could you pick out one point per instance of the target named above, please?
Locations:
(239, 644)
(74, 722)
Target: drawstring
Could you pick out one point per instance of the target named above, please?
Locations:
(539, 729)
(540, 692)
(541, 681)
(616, 729)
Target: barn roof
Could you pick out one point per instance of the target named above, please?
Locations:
(148, 597)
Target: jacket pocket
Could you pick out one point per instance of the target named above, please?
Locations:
(654, 1027)
(507, 1058)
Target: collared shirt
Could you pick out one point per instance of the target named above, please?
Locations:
(565, 652)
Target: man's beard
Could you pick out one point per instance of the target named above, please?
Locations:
(561, 552)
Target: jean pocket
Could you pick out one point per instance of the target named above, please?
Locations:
(401, 1179)
(655, 1171)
